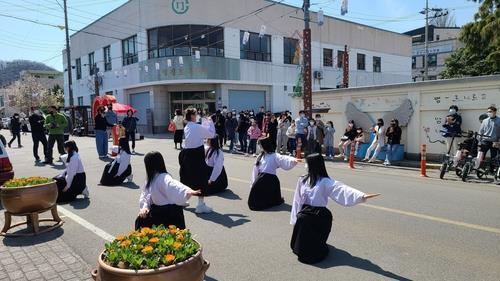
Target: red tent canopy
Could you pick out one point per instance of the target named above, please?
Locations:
(108, 99)
(122, 108)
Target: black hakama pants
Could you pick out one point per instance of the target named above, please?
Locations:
(310, 234)
(108, 177)
(77, 186)
(162, 215)
(193, 170)
(219, 185)
(265, 192)
(178, 134)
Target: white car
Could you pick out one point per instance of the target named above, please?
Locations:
(6, 170)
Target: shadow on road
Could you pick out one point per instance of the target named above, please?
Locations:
(32, 240)
(339, 257)
(285, 207)
(229, 194)
(222, 219)
(131, 185)
(79, 204)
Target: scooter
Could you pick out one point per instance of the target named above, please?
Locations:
(471, 160)
(447, 161)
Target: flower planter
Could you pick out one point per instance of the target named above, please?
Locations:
(192, 269)
(29, 199)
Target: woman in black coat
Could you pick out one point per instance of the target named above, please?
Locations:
(15, 129)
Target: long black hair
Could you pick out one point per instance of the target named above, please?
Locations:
(315, 169)
(267, 148)
(71, 147)
(124, 146)
(154, 165)
(214, 146)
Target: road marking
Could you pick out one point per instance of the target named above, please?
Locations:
(96, 230)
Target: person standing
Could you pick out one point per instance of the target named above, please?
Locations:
(490, 129)
(69, 128)
(312, 137)
(328, 140)
(101, 136)
(301, 124)
(254, 134)
(272, 129)
(292, 142)
(260, 118)
(377, 143)
(111, 119)
(283, 124)
(220, 126)
(55, 122)
(38, 133)
(452, 127)
(130, 125)
(15, 129)
(320, 133)
(231, 126)
(393, 134)
(179, 128)
(243, 125)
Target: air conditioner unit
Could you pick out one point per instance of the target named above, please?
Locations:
(318, 74)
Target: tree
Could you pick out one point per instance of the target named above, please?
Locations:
(481, 53)
(30, 92)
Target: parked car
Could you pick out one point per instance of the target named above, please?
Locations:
(6, 170)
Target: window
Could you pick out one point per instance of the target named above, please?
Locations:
(413, 62)
(51, 77)
(437, 37)
(78, 63)
(327, 57)
(107, 58)
(340, 59)
(91, 64)
(432, 60)
(80, 101)
(377, 64)
(129, 50)
(257, 48)
(1, 101)
(289, 49)
(185, 40)
(361, 61)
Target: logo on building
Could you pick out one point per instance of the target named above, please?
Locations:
(180, 6)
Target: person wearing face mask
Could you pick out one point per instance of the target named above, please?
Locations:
(312, 137)
(346, 139)
(231, 126)
(378, 141)
(328, 140)
(452, 127)
(220, 126)
(260, 118)
(37, 121)
(283, 125)
(101, 136)
(490, 127)
(320, 133)
(55, 122)
(359, 139)
(15, 129)
(243, 125)
(301, 124)
(393, 134)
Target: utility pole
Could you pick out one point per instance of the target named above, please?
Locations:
(307, 94)
(437, 13)
(345, 68)
(68, 61)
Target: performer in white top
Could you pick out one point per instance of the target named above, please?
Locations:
(378, 142)
(120, 169)
(194, 171)
(217, 177)
(311, 219)
(162, 197)
(72, 181)
(266, 189)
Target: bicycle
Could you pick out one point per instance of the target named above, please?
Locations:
(484, 169)
(447, 160)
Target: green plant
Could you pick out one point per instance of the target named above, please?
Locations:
(150, 248)
(22, 182)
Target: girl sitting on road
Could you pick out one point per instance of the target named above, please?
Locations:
(266, 190)
(120, 169)
(72, 182)
(311, 219)
(214, 157)
(162, 197)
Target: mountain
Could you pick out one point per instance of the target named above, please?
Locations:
(9, 70)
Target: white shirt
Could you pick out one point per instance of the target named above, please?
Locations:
(217, 162)
(163, 190)
(271, 162)
(195, 133)
(318, 195)
(123, 159)
(179, 122)
(380, 135)
(75, 166)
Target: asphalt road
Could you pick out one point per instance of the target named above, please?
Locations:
(419, 229)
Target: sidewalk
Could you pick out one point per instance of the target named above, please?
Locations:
(42, 257)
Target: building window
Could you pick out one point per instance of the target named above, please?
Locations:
(78, 63)
(257, 48)
(129, 50)
(80, 101)
(1, 101)
(437, 37)
(51, 77)
(432, 60)
(185, 40)
(107, 58)
(413, 62)
(289, 50)
(327, 57)
(340, 59)
(377, 64)
(91, 64)
(361, 61)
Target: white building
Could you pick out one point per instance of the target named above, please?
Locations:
(163, 55)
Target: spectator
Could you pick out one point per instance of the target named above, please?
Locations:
(179, 128)
(320, 133)
(272, 129)
(292, 142)
(101, 136)
(15, 129)
(283, 124)
(130, 125)
(38, 133)
(359, 139)
(254, 134)
(55, 122)
(346, 139)
(312, 137)
(69, 129)
(490, 127)
(452, 127)
(111, 119)
(220, 126)
(231, 126)
(301, 124)
(24, 126)
(393, 134)
(243, 125)
(328, 139)
(377, 143)
(260, 118)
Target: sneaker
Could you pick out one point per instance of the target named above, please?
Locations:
(37, 160)
(254, 155)
(85, 193)
(345, 159)
(133, 151)
(47, 162)
(387, 163)
(203, 209)
(130, 178)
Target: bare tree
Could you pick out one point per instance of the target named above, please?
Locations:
(30, 92)
(445, 20)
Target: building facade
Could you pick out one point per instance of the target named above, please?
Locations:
(442, 42)
(159, 56)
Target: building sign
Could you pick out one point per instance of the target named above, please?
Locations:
(433, 50)
(180, 6)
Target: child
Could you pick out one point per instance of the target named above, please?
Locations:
(311, 219)
(214, 157)
(120, 169)
(292, 141)
(312, 137)
(72, 181)
(328, 140)
(266, 190)
(162, 197)
(254, 134)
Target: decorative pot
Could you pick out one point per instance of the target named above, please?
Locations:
(192, 269)
(29, 199)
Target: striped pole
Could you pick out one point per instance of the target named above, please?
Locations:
(423, 161)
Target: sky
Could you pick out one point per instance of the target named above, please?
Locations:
(43, 43)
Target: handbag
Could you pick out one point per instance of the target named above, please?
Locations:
(171, 127)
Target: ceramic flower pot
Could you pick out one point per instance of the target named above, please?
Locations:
(192, 269)
(21, 200)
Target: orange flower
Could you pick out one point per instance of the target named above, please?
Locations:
(177, 245)
(120, 238)
(179, 237)
(172, 231)
(147, 249)
(172, 227)
(169, 258)
(154, 240)
(125, 243)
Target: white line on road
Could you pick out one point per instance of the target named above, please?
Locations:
(81, 221)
